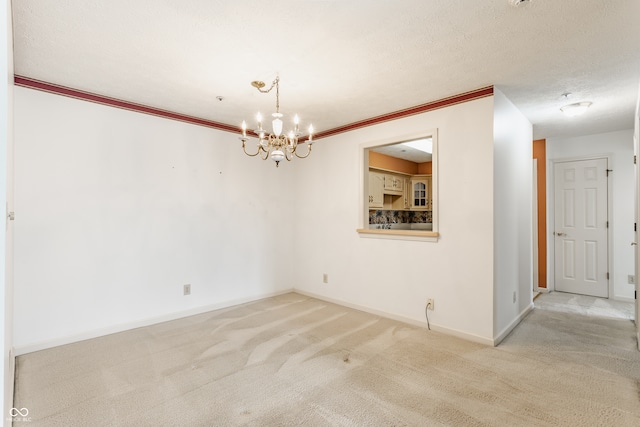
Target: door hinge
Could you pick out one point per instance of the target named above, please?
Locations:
(635, 226)
(607, 276)
(635, 159)
(607, 224)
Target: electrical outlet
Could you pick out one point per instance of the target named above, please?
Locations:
(325, 278)
(430, 305)
(515, 296)
(186, 289)
(631, 279)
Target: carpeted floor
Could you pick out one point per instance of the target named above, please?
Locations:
(294, 360)
(592, 306)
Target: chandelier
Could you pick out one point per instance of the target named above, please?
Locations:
(276, 145)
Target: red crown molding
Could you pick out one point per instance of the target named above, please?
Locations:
(112, 102)
(423, 108)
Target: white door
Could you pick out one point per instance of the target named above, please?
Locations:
(534, 221)
(581, 265)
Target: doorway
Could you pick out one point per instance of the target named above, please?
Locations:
(581, 227)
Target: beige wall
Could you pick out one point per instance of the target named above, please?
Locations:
(118, 210)
(396, 277)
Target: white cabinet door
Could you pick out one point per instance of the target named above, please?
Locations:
(393, 184)
(421, 193)
(407, 193)
(376, 190)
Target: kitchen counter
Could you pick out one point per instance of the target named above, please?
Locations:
(426, 226)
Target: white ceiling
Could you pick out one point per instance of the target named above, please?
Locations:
(402, 151)
(340, 61)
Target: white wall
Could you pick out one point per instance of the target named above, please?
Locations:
(6, 148)
(620, 146)
(513, 136)
(116, 210)
(392, 276)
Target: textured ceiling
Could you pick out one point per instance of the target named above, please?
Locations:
(340, 61)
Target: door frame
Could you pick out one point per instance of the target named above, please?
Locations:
(534, 220)
(551, 220)
(636, 170)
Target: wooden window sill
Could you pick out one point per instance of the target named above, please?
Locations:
(427, 236)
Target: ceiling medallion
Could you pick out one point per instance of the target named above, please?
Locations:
(276, 145)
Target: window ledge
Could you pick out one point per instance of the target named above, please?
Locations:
(425, 236)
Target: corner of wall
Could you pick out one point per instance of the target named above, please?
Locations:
(513, 212)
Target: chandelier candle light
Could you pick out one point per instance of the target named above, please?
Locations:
(276, 145)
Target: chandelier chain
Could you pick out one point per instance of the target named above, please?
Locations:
(275, 83)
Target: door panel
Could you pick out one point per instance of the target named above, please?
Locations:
(569, 209)
(591, 260)
(568, 270)
(581, 256)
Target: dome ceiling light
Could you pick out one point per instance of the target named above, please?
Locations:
(575, 109)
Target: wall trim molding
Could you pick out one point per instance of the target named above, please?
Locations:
(421, 324)
(623, 298)
(10, 382)
(30, 83)
(117, 103)
(96, 333)
(411, 111)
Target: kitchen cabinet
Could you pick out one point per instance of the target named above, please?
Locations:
(421, 198)
(393, 184)
(376, 190)
(406, 182)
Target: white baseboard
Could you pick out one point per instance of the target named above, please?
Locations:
(506, 331)
(624, 299)
(29, 348)
(543, 290)
(414, 322)
(10, 383)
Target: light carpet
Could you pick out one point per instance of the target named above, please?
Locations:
(591, 306)
(293, 360)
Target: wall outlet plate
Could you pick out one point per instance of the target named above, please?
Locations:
(631, 279)
(430, 305)
(186, 290)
